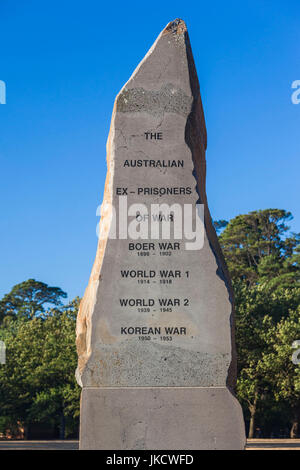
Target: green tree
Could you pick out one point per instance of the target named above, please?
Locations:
(251, 326)
(29, 298)
(263, 260)
(257, 248)
(37, 382)
(282, 372)
(220, 225)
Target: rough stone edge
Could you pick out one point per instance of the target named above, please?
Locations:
(87, 304)
(197, 142)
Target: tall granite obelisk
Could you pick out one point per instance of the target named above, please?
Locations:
(155, 330)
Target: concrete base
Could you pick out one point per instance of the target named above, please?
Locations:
(161, 418)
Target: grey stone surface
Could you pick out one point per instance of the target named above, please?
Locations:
(162, 95)
(161, 418)
(156, 314)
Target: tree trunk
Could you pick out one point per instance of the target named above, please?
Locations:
(27, 431)
(295, 425)
(252, 409)
(252, 426)
(62, 426)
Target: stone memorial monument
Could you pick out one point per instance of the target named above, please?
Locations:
(155, 330)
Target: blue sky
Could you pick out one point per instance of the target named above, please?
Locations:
(63, 63)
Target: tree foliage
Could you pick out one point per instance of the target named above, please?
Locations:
(37, 382)
(280, 370)
(263, 260)
(257, 248)
(29, 299)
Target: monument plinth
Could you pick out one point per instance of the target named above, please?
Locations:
(155, 337)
